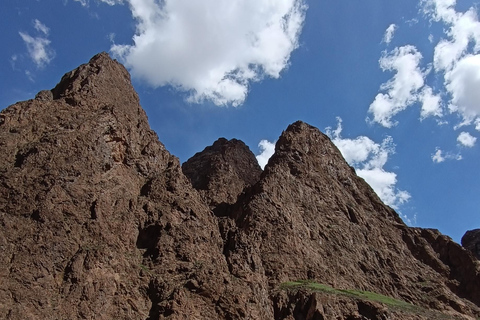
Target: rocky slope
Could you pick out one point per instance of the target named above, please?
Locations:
(98, 221)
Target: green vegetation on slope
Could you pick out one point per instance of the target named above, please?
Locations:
(392, 303)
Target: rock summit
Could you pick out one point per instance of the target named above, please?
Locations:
(99, 221)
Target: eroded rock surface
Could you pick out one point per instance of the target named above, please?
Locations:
(222, 171)
(471, 242)
(98, 221)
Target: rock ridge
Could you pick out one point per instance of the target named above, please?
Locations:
(99, 221)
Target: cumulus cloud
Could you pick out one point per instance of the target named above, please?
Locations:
(463, 83)
(462, 29)
(441, 156)
(431, 103)
(402, 90)
(212, 49)
(369, 158)
(267, 149)
(38, 48)
(388, 36)
(466, 139)
(457, 56)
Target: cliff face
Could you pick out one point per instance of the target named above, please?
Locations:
(98, 221)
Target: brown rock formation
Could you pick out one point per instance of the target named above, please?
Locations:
(471, 242)
(222, 171)
(98, 221)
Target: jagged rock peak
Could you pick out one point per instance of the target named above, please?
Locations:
(303, 153)
(97, 220)
(471, 242)
(89, 200)
(222, 171)
(102, 79)
(302, 145)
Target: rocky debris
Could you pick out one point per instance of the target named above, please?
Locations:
(471, 242)
(222, 171)
(98, 221)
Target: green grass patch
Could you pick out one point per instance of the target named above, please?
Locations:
(356, 294)
(391, 303)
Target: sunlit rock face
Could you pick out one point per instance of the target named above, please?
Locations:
(99, 221)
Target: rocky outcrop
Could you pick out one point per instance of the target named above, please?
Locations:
(99, 221)
(311, 217)
(471, 242)
(96, 218)
(222, 171)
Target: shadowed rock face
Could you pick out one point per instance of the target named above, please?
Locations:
(471, 242)
(222, 171)
(98, 221)
(96, 218)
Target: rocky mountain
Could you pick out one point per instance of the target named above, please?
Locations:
(471, 242)
(99, 221)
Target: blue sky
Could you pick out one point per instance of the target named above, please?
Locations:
(394, 83)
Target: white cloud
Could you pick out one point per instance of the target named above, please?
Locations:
(388, 36)
(13, 61)
(369, 159)
(38, 49)
(463, 28)
(267, 149)
(29, 75)
(112, 2)
(439, 156)
(40, 27)
(463, 83)
(82, 2)
(431, 103)
(456, 56)
(86, 3)
(466, 139)
(383, 183)
(477, 124)
(402, 90)
(212, 49)
(111, 36)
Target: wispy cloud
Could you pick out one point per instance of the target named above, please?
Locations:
(369, 159)
(389, 32)
(440, 156)
(40, 27)
(38, 47)
(86, 3)
(212, 49)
